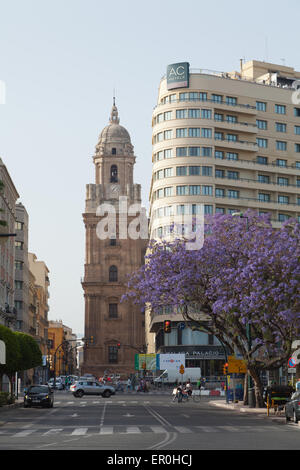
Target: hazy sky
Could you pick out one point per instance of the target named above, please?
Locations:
(61, 60)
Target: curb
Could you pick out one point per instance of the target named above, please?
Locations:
(260, 412)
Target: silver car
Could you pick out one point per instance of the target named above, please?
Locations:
(87, 387)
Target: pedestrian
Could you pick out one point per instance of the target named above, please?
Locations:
(199, 384)
(188, 387)
(128, 385)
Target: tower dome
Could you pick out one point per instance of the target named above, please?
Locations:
(114, 136)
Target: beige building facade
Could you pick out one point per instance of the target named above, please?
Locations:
(222, 143)
(114, 330)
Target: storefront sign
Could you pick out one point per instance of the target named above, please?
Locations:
(178, 75)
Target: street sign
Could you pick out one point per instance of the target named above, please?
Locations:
(292, 362)
(236, 366)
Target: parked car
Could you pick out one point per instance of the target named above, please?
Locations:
(58, 384)
(38, 395)
(292, 408)
(87, 387)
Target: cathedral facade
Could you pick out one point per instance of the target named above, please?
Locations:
(114, 330)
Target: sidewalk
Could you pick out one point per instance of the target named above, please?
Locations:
(241, 408)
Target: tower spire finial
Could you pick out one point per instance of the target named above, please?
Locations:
(114, 116)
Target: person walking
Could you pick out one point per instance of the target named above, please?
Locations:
(128, 385)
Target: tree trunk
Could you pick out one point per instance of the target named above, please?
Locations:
(246, 389)
(258, 388)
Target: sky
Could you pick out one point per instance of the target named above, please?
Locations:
(61, 62)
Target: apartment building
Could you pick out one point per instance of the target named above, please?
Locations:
(223, 142)
(21, 269)
(8, 198)
(39, 307)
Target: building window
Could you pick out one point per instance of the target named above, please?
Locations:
(230, 118)
(233, 193)
(280, 109)
(231, 156)
(283, 199)
(297, 148)
(19, 245)
(261, 106)
(181, 113)
(19, 265)
(220, 192)
(297, 112)
(194, 151)
(262, 160)
(206, 151)
(231, 137)
(113, 242)
(194, 190)
(194, 132)
(297, 130)
(168, 134)
(113, 310)
(18, 284)
(206, 113)
(231, 100)
(182, 132)
(207, 190)
(264, 197)
(113, 151)
(262, 143)
(280, 127)
(263, 125)
(114, 174)
(168, 115)
(112, 354)
(182, 190)
(282, 181)
(19, 225)
(263, 179)
(218, 117)
(113, 274)
(216, 98)
(233, 175)
(280, 162)
(280, 145)
(219, 154)
(181, 171)
(219, 173)
(194, 170)
(206, 171)
(194, 113)
(283, 217)
(181, 151)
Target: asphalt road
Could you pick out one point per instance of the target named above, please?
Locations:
(140, 422)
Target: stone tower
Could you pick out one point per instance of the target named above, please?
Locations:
(117, 328)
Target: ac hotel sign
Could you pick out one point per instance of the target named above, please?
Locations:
(178, 75)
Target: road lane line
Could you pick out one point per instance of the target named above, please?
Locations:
(79, 432)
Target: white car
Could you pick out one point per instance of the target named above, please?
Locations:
(90, 387)
(58, 384)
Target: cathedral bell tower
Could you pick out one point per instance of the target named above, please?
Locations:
(117, 329)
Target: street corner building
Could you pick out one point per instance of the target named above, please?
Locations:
(114, 330)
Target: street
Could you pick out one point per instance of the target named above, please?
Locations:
(140, 422)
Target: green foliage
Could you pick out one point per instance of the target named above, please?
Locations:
(31, 355)
(13, 352)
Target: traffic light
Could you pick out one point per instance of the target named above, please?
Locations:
(167, 326)
(91, 339)
(118, 345)
(225, 368)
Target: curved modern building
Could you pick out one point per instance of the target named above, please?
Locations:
(228, 141)
(222, 143)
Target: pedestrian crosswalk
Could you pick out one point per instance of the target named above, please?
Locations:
(106, 430)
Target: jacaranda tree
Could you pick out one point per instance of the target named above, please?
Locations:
(243, 286)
